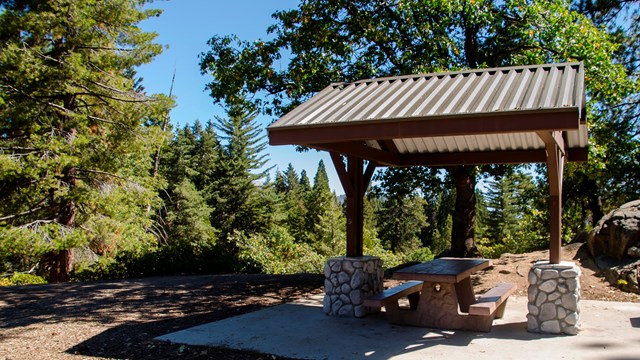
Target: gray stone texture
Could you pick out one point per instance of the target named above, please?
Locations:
(616, 232)
(348, 281)
(615, 243)
(548, 286)
(554, 298)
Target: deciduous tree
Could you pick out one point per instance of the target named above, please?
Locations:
(345, 40)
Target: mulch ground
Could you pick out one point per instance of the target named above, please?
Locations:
(119, 319)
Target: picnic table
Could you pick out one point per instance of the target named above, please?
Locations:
(441, 295)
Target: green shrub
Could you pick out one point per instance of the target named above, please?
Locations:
(276, 253)
(22, 279)
(420, 255)
(389, 258)
(174, 259)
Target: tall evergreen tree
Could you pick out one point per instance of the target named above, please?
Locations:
(236, 192)
(294, 194)
(305, 184)
(400, 222)
(189, 164)
(501, 209)
(324, 214)
(76, 132)
(206, 159)
(319, 198)
(188, 218)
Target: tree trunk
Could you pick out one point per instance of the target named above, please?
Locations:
(464, 213)
(595, 205)
(60, 266)
(60, 262)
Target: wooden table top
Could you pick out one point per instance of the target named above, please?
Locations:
(449, 270)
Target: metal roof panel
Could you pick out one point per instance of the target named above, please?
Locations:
(510, 93)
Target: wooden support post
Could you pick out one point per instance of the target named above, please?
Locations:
(354, 183)
(355, 203)
(555, 243)
(556, 156)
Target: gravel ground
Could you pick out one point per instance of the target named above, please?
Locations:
(118, 319)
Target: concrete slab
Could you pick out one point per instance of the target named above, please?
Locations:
(610, 330)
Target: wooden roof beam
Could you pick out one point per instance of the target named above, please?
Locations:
(551, 138)
(472, 124)
(361, 150)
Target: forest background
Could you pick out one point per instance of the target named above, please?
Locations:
(95, 182)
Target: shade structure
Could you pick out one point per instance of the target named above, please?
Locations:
(508, 115)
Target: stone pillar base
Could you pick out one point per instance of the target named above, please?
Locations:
(554, 298)
(348, 281)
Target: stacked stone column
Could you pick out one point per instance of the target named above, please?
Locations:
(554, 298)
(348, 281)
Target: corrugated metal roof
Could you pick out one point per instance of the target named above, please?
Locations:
(482, 94)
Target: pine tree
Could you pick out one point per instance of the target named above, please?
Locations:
(292, 183)
(189, 165)
(318, 200)
(279, 183)
(294, 194)
(76, 132)
(188, 220)
(400, 222)
(324, 219)
(235, 192)
(501, 209)
(177, 161)
(305, 184)
(206, 157)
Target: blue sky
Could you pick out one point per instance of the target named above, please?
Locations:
(184, 27)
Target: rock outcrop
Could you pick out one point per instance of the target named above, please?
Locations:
(616, 232)
(615, 244)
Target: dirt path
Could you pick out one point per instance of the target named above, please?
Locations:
(118, 319)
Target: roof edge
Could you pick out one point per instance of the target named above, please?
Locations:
(568, 109)
(468, 71)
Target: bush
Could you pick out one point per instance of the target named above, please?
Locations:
(389, 259)
(174, 259)
(421, 255)
(276, 253)
(22, 279)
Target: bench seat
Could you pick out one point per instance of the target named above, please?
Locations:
(492, 301)
(393, 294)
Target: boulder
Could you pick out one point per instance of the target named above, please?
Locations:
(616, 232)
(624, 275)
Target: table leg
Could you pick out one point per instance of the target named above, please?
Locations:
(438, 308)
(466, 297)
(414, 300)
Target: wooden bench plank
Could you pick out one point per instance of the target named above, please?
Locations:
(490, 301)
(393, 294)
